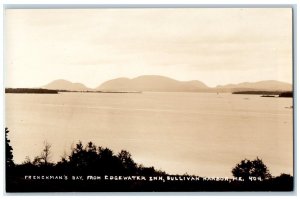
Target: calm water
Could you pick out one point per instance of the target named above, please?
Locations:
(197, 133)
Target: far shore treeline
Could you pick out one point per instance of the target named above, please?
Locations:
(91, 168)
(30, 90)
(267, 93)
(52, 91)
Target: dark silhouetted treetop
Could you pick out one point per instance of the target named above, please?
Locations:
(99, 160)
(247, 168)
(44, 158)
(127, 162)
(46, 154)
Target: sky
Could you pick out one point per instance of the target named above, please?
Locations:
(214, 45)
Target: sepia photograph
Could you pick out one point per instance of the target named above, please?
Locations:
(170, 99)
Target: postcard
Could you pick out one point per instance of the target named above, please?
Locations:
(187, 99)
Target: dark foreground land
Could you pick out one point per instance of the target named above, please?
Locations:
(83, 183)
(96, 169)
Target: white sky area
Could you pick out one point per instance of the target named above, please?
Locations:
(214, 45)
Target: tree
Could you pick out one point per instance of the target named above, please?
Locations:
(105, 153)
(27, 161)
(90, 155)
(127, 162)
(259, 169)
(84, 159)
(8, 151)
(247, 168)
(46, 154)
(77, 158)
(91, 147)
(44, 158)
(284, 178)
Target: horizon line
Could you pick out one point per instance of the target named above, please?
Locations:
(217, 85)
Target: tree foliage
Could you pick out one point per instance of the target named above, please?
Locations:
(8, 151)
(127, 162)
(99, 160)
(255, 168)
(43, 159)
(46, 154)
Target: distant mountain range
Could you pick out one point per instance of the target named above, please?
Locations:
(152, 83)
(65, 85)
(269, 85)
(156, 83)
